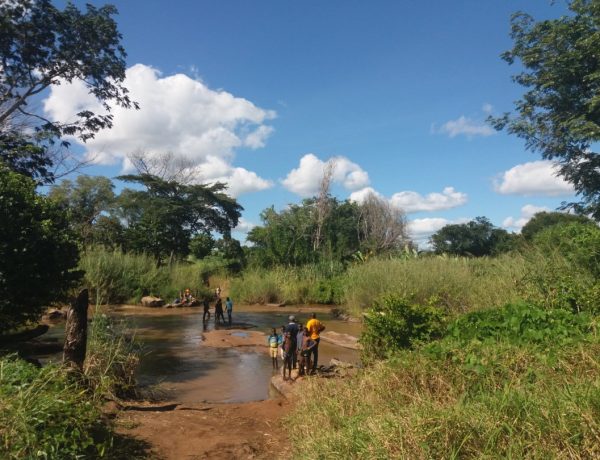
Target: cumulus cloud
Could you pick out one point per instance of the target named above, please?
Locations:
(178, 114)
(411, 202)
(533, 178)
(306, 178)
(527, 212)
(415, 202)
(465, 126)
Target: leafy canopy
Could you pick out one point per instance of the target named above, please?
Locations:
(559, 113)
(37, 249)
(476, 238)
(162, 218)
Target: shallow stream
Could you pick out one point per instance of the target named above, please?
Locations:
(175, 362)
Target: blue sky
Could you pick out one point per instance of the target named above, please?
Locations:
(397, 91)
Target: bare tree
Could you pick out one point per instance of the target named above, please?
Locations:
(167, 166)
(323, 204)
(382, 227)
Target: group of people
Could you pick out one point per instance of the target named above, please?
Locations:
(218, 308)
(297, 345)
(185, 299)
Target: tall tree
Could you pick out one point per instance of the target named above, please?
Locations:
(382, 227)
(559, 114)
(162, 218)
(41, 46)
(86, 199)
(37, 248)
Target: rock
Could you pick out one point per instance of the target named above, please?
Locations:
(55, 315)
(334, 362)
(287, 388)
(151, 301)
(343, 340)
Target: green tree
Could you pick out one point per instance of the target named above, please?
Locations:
(559, 114)
(162, 219)
(201, 245)
(41, 46)
(542, 220)
(37, 249)
(86, 199)
(476, 238)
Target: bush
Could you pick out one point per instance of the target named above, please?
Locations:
(38, 251)
(43, 414)
(394, 324)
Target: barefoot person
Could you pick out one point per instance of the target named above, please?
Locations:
(292, 328)
(289, 350)
(306, 347)
(274, 340)
(315, 327)
(206, 315)
(219, 311)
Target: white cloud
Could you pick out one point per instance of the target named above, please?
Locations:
(466, 126)
(527, 212)
(306, 178)
(533, 178)
(360, 195)
(178, 114)
(415, 202)
(411, 202)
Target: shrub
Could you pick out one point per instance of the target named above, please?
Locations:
(394, 324)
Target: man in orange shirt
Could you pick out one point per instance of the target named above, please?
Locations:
(315, 327)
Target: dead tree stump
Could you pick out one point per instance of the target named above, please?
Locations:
(76, 332)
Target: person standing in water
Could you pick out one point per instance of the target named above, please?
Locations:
(219, 311)
(274, 340)
(206, 315)
(315, 327)
(229, 308)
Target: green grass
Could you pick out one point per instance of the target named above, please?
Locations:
(458, 283)
(118, 277)
(50, 413)
(456, 399)
(292, 285)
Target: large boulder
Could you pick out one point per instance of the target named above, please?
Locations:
(151, 301)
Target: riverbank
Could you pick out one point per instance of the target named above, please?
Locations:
(250, 430)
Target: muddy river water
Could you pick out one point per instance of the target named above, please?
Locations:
(179, 366)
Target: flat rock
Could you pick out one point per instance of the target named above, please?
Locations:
(343, 340)
(151, 301)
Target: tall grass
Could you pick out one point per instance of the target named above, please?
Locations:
(458, 283)
(51, 413)
(491, 399)
(292, 285)
(117, 277)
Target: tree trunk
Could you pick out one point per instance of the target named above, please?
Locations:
(76, 332)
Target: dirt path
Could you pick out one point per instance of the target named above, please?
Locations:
(209, 431)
